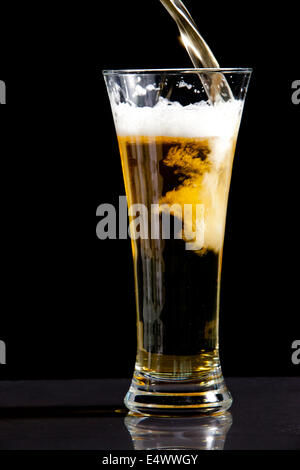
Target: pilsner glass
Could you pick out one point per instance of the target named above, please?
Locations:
(177, 148)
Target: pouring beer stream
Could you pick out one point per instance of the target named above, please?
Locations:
(215, 85)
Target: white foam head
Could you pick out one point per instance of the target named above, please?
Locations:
(167, 119)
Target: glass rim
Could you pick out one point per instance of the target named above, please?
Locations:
(173, 71)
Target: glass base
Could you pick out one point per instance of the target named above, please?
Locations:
(165, 397)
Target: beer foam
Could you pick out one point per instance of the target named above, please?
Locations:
(171, 119)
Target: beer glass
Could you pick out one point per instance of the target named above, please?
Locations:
(177, 147)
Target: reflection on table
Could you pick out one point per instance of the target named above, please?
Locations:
(201, 433)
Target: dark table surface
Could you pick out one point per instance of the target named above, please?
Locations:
(90, 415)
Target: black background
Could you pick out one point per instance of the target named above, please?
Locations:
(67, 301)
